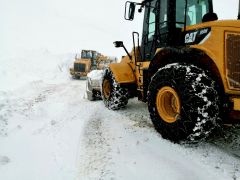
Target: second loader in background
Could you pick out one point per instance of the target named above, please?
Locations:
(84, 63)
(89, 60)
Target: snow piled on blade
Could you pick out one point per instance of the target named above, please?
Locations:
(95, 75)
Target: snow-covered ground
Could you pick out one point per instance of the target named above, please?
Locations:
(49, 131)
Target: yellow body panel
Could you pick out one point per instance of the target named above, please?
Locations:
(123, 72)
(215, 48)
(127, 72)
(76, 73)
(236, 104)
(139, 71)
(87, 63)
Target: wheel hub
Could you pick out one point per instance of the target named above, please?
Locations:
(168, 104)
(106, 88)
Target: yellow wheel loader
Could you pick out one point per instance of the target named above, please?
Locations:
(84, 64)
(187, 68)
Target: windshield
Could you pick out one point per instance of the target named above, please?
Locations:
(86, 55)
(95, 55)
(196, 9)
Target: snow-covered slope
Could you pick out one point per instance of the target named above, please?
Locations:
(38, 65)
(49, 131)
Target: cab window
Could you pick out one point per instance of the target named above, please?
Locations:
(151, 24)
(163, 13)
(196, 9)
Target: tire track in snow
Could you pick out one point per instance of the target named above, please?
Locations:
(41, 96)
(137, 113)
(22, 102)
(5, 112)
(228, 140)
(4, 160)
(227, 144)
(99, 159)
(97, 147)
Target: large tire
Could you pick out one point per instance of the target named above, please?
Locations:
(114, 96)
(184, 103)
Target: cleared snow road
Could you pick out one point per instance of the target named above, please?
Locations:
(49, 131)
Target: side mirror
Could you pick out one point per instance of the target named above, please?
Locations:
(118, 44)
(129, 10)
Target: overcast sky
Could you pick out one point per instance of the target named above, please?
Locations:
(62, 26)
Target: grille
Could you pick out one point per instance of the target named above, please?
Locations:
(233, 60)
(79, 67)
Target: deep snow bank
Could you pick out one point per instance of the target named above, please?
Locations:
(30, 66)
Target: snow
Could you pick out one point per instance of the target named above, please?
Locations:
(32, 66)
(95, 75)
(49, 131)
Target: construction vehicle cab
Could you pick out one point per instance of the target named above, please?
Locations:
(187, 68)
(90, 54)
(84, 63)
(165, 23)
